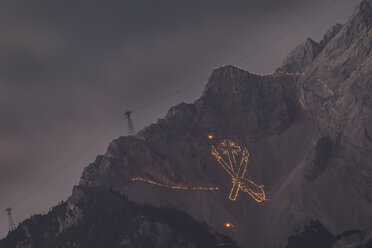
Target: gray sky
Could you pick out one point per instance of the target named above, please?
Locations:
(69, 69)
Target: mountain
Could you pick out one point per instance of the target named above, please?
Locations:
(304, 54)
(307, 130)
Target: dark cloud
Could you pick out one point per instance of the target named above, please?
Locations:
(69, 69)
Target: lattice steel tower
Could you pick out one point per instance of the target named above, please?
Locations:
(131, 130)
(11, 221)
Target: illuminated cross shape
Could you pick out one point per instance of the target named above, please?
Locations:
(231, 151)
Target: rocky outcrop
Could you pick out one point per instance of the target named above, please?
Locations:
(304, 54)
(335, 92)
(251, 104)
(320, 156)
(301, 57)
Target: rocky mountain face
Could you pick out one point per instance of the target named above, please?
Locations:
(304, 54)
(308, 130)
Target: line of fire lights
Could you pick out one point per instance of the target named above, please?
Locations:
(266, 74)
(227, 225)
(167, 186)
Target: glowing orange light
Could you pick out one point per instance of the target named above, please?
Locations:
(179, 187)
(210, 136)
(266, 74)
(231, 153)
(229, 225)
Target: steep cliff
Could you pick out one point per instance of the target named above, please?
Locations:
(304, 54)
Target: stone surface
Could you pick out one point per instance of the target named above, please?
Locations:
(304, 54)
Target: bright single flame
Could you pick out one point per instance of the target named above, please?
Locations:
(229, 225)
(210, 136)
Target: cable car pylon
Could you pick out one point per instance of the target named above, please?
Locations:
(131, 130)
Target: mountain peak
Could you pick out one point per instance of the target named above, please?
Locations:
(363, 13)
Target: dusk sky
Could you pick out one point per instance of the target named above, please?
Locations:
(69, 70)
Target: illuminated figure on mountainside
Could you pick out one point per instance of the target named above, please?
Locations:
(234, 160)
